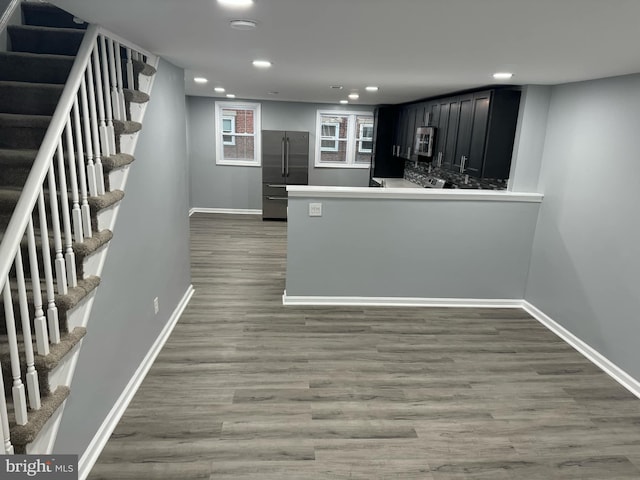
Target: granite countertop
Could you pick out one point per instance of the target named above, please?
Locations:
(396, 182)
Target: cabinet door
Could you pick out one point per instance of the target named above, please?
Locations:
(411, 131)
(401, 130)
(452, 133)
(481, 103)
(442, 109)
(463, 142)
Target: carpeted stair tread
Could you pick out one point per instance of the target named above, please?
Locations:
(135, 96)
(106, 200)
(9, 196)
(22, 435)
(141, 68)
(35, 39)
(43, 364)
(22, 131)
(34, 67)
(15, 165)
(48, 15)
(126, 127)
(118, 160)
(29, 98)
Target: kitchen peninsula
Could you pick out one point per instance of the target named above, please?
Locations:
(396, 245)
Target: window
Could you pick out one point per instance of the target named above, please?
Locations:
(365, 138)
(238, 133)
(344, 139)
(228, 129)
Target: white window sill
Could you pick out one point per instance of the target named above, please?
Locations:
(339, 165)
(238, 163)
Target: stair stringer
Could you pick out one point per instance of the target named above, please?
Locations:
(81, 313)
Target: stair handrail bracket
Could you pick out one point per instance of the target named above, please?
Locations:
(53, 209)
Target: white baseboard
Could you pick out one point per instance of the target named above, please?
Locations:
(228, 211)
(610, 368)
(91, 454)
(400, 301)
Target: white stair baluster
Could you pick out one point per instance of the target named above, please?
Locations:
(97, 156)
(52, 310)
(61, 271)
(130, 77)
(118, 64)
(105, 141)
(84, 208)
(86, 124)
(115, 101)
(17, 391)
(107, 96)
(69, 255)
(33, 388)
(40, 322)
(76, 213)
(4, 420)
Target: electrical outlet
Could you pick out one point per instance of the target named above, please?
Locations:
(156, 306)
(315, 209)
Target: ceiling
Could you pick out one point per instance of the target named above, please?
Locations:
(411, 49)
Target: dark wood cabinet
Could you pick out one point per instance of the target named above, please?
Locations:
(383, 161)
(474, 131)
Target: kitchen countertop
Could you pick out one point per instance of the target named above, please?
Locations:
(396, 183)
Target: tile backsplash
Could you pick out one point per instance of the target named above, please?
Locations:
(419, 172)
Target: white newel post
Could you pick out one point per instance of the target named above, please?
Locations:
(52, 310)
(33, 388)
(4, 420)
(73, 179)
(40, 322)
(69, 255)
(61, 271)
(95, 136)
(17, 391)
(86, 124)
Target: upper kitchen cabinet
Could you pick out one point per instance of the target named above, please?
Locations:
(383, 161)
(474, 131)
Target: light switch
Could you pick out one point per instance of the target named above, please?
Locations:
(315, 209)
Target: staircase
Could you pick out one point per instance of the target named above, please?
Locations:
(72, 98)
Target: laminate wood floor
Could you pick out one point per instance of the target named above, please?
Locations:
(246, 388)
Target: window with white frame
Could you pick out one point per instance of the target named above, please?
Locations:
(237, 133)
(343, 139)
(228, 130)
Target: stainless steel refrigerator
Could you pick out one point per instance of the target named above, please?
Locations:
(285, 161)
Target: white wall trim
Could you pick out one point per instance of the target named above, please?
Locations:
(401, 301)
(228, 211)
(91, 454)
(610, 368)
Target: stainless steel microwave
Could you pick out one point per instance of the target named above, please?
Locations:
(425, 136)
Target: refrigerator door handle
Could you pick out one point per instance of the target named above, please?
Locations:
(276, 185)
(288, 145)
(282, 159)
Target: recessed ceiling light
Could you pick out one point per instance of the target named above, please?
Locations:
(242, 24)
(273, 93)
(336, 87)
(200, 80)
(354, 96)
(219, 89)
(502, 75)
(230, 95)
(344, 102)
(262, 63)
(372, 89)
(236, 3)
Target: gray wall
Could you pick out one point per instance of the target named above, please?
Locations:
(409, 248)
(223, 186)
(148, 257)
(586, 254)
(529, 141)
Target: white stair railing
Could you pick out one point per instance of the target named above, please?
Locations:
(53, 211)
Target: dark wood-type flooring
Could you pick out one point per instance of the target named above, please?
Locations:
(247, 388)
